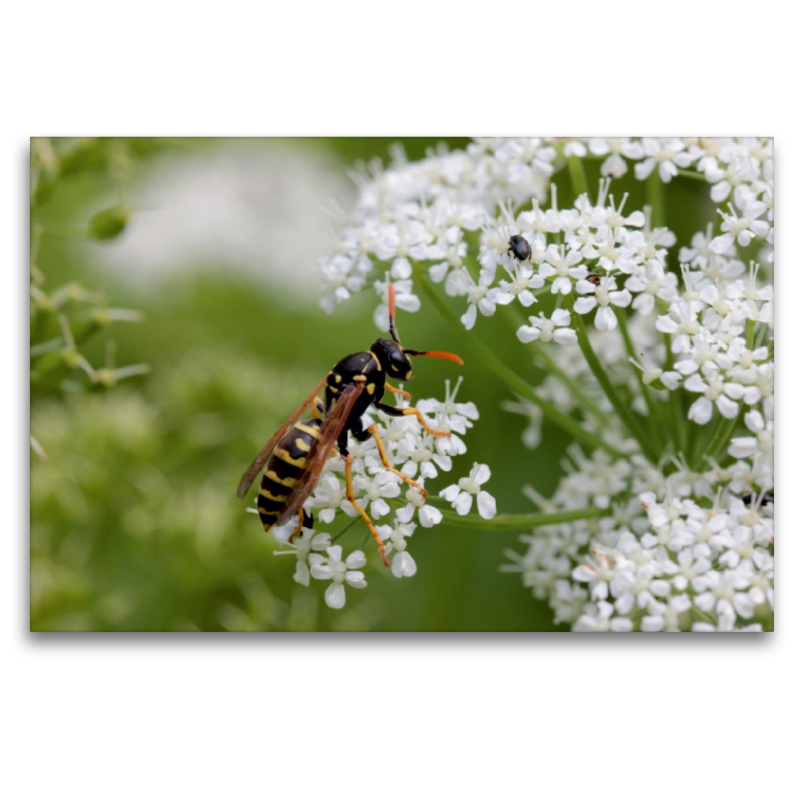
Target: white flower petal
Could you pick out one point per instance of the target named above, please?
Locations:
(463, 503)
(334, 595)
(487, 505)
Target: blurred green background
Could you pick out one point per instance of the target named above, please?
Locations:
(135, 523)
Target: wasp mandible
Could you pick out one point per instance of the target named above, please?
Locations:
(296, 454)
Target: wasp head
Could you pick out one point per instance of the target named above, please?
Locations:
(393, 357)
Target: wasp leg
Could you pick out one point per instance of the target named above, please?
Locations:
(299, 526)
(351, 496)
(397, 391)
(373, 429)
(318, 412)
(405, 412)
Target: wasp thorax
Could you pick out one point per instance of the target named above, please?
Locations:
(392, 358)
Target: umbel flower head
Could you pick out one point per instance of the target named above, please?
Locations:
(659, 358)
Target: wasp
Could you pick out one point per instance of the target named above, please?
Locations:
(296, 454)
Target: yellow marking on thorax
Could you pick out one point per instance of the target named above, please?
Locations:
(375, 359)
(371, 388)
(306, 429)
(287, 482)
(337, 378)
(277, 498)
(283, 455)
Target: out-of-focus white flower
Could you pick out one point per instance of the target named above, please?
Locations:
(547, 330)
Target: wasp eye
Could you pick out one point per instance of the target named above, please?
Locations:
(398, 362)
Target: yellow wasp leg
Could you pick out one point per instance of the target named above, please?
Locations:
(351, 496)
(373, 429)
(299, 526)
(409, 411)
(397, 391)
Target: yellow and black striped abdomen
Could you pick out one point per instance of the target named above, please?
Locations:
(283, 468)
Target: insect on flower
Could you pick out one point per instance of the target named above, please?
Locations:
(296, 454)
(518, 245)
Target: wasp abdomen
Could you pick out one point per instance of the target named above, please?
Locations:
(283, 468)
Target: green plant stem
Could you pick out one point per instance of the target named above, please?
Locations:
(751, 334)
(521, 521)
(346, 528)
(761, 336)
(721, 439)
(598, 370)
(655, 412)
(577, 176)
(678, 427)
(490, 361)
(655, 199)
(515, 319)
(687, 173)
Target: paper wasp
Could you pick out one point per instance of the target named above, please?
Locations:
(296, 454)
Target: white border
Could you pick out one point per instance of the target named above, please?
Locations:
(484, 715)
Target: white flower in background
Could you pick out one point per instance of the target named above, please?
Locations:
(548, 330)
(615, 165)
(742, 229)
(459, 282)
(339, 572)
(666, 154)
(461, 495)
(749, 446)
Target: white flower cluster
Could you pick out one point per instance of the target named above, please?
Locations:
(395, 507)
(677, 564)
(485, 224)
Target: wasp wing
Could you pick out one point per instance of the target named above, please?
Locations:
(255, 468)
(329, 434)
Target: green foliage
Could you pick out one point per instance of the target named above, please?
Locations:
(68, 316)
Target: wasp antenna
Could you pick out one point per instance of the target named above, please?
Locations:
(392, 328)
(435, 354)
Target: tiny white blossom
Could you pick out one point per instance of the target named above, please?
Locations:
(461, 495)
(546, 330)
(334, 569)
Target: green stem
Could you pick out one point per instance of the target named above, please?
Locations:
(678, 427)
(346, 528)
(687, 173)
(552, 367)
(703, 443)
(521, 521)
(623, 411)
(577, 176)
(655, 411)
(723, 435)
(655, 199)
(510, 378)
(751, 334)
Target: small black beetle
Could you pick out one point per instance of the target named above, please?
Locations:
(518, 245)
